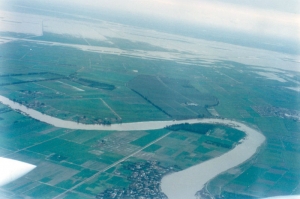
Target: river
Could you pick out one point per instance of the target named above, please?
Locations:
(183, 184)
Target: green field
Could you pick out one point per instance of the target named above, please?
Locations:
(99, 86)
(176, 98)
(65, 158)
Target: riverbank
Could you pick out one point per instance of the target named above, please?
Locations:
(186, 183)
(183, 184)
(148, 125)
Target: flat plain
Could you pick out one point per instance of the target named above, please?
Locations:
(124, 79)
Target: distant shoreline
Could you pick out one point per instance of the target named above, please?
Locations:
(183, 184)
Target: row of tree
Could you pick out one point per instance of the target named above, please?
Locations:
(195, 128)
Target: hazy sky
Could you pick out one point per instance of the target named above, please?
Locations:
(279, 18)
(275, 18)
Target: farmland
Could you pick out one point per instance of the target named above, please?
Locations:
(175, 97)
(125, 79)
(78, 155)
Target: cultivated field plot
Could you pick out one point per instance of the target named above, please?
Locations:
(86, 163)
(176, 98)
(86, 80)
(133, 75)
(280, 154)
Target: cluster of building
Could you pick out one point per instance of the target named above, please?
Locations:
(26, 94)
(145, 182)
(269, 111)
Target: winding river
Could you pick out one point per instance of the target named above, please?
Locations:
(178, 185)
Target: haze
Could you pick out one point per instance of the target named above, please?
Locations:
(271, 18)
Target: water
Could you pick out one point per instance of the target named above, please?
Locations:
(183, 184)
(186, 183)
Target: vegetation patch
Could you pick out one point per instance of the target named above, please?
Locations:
(195, 128)
(152, 148)
(176, 98)
(94, 84)
(153, 135)
(56, 157)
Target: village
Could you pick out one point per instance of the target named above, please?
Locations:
(145, 178)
